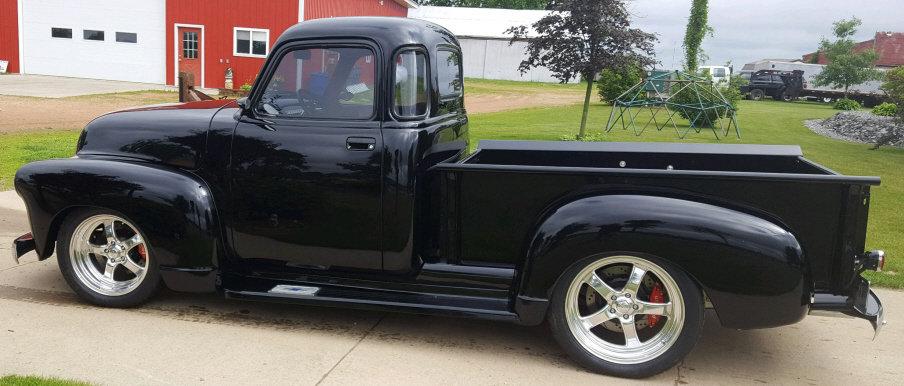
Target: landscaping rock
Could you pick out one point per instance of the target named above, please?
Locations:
(860, 126)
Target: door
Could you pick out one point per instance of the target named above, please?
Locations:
(189, 52)
(306, 165)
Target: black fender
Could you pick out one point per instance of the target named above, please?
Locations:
(173, 208)
(752, 269)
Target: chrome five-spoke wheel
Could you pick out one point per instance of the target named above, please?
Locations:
(624, 309)
(108, 255)
(627, 315)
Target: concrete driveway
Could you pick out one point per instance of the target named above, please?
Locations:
(44, 86)
(204, 339)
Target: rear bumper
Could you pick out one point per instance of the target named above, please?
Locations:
(22, 245)
(863, 304)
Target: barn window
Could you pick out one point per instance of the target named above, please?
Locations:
(62, 33)
(251, 42)
(448, 73)
(90, 34)
(127, 37)
(190, 45)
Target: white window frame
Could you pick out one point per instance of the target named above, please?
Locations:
(251, 31)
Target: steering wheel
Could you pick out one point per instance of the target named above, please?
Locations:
(268, 105)
(308, 100)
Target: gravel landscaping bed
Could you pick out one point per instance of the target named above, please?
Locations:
(858, 126)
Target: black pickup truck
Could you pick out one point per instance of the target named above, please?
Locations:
(345, 179)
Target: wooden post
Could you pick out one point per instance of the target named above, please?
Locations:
(186, 83)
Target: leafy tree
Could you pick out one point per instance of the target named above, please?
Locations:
(581, 38)
(613, 82)
(507, 4)
(694, 34)
(845, 67)
(894, 88)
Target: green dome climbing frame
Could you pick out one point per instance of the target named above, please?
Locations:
(674, 99)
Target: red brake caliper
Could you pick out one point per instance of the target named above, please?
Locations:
(143, 252)
(656, 296)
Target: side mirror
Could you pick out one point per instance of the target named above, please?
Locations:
(243, 103)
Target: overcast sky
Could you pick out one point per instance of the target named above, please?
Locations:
(748, 30)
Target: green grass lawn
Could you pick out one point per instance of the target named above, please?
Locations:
(31, 380)
(763, 122)
(19, 149)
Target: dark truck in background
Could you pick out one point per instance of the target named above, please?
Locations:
(789, 81)
(345, 179)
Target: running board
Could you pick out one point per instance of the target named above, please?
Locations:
(381, 300)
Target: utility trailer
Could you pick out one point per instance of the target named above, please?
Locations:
(868, 94)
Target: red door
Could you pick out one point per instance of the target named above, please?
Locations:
(190, 52)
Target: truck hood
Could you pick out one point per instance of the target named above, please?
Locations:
(172, 134)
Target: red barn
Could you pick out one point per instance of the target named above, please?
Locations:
(212, 37)
(150, 41)
(9, 34)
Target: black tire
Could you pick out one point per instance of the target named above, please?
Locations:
(149, 286)
(756, 94)
(685, 342)
(787, 97)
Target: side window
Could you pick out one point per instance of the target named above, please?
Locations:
(321, 83)
(448, 72)
(410, 86)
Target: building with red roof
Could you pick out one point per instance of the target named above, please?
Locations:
(889, 46)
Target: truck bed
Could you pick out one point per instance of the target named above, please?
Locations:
(505, 186)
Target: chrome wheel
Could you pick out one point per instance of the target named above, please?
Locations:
(624, 309)
(108, 255)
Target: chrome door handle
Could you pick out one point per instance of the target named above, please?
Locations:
(360, 144)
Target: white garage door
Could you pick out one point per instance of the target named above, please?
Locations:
(98, 39)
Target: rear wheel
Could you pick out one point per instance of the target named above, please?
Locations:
(786, 97)
(756, 94)
(106, 259)
(626, 315)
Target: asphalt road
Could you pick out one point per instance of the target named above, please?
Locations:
(204, 339)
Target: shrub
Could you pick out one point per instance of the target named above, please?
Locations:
(731, 91)
(613, 83)
(245, 87)
(846, 104)
(886, 109)
(894, 87)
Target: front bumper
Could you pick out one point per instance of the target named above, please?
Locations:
(22, 245)
(863, 304)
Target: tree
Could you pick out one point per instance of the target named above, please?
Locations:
(846, 67)
(694, 34)
(894, 88)
(507, 4)
(582, 37)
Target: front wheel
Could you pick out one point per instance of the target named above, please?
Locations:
(757, 94)
(626, 315)
(106, 259)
